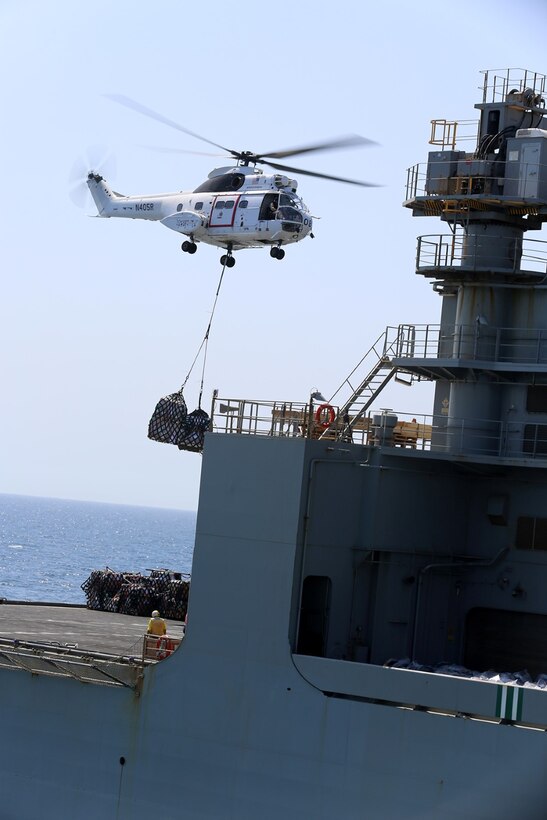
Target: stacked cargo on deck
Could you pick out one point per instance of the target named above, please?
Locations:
(134, 594)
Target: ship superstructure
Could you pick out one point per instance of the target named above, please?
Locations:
(367, 614)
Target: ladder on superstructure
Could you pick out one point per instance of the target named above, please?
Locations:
(382, 370)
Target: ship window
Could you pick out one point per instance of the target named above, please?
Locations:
(536, 399)
(179, 207)
(220, 205)
(531, 533)
(314, 616)
(535, 439)
(198, 206)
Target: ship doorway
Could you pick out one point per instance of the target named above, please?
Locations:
(314, 616)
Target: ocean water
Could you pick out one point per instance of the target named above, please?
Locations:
(48, 547)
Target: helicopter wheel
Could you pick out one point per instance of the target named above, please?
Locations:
(187, 247)
(192, 247)
(228, 260)
(277, 253)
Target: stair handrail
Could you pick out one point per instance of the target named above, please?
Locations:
(374, 345)
(382, 360)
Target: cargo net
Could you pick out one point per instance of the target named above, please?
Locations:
(172, 424)
(134, 594)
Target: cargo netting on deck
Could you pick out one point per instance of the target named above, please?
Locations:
(131, 593)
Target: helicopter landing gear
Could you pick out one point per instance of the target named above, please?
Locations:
(189, 247)
(227, 259)
(277, 253)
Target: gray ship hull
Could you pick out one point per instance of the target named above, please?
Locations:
(235, 725)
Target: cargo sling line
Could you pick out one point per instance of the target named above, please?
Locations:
(171, 423)
(204, 343)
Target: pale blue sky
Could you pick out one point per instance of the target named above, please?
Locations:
(100, 318)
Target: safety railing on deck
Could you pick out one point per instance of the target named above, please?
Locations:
(61, 661)
(476, 342)
(437, 253)
(157, 648)
(266, 418)
(515, 182)
(433, 433)
(499, 83)
(448, 133)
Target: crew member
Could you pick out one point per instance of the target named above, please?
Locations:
(156, 625)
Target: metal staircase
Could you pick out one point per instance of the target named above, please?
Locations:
(377, 365)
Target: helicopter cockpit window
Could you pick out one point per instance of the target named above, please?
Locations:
(222, 183)
(284, 199)
(291, 218)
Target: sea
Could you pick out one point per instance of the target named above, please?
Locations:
(48, 546)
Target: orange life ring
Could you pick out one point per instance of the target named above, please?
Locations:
(164, 647)
(319, 413)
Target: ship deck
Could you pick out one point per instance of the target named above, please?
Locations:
(77, 627)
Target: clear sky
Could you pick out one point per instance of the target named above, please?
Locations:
(100, 318)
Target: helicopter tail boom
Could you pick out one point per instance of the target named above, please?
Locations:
(101, 193)
(110, 203)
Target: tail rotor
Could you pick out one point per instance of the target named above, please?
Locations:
(99, 160)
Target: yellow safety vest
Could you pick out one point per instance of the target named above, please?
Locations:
(156, 626)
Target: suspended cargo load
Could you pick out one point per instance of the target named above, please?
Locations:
(172, 424)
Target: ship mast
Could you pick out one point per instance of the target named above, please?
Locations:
(488, 356)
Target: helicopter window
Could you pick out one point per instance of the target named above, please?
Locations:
(268, 209)
(179, 207)
(243, 203)
(220, 205)
(229, 204)
(224, 182)
(198, 206)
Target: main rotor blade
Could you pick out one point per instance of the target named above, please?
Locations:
(320, 176)
(162, 149)
(350, 141)
(148, 112)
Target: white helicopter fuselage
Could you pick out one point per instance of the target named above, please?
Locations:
(237, 207)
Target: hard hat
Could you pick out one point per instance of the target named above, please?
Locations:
(155, 614)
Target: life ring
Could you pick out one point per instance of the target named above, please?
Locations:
(319, 413)
(164, 647)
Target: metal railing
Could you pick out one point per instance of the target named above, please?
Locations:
(437, 252)
(515, 439)
(157, 648)
(478, 342)
(448, 133)
(515, 182)
(499, 83)
(266, 418)
(60, 661)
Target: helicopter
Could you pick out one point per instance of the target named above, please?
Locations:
(238, 206)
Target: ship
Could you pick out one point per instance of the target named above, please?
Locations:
(367, 622)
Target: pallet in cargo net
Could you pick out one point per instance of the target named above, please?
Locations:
(131, 593)
(172, 424)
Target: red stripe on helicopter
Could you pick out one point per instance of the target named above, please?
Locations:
(229, 224)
